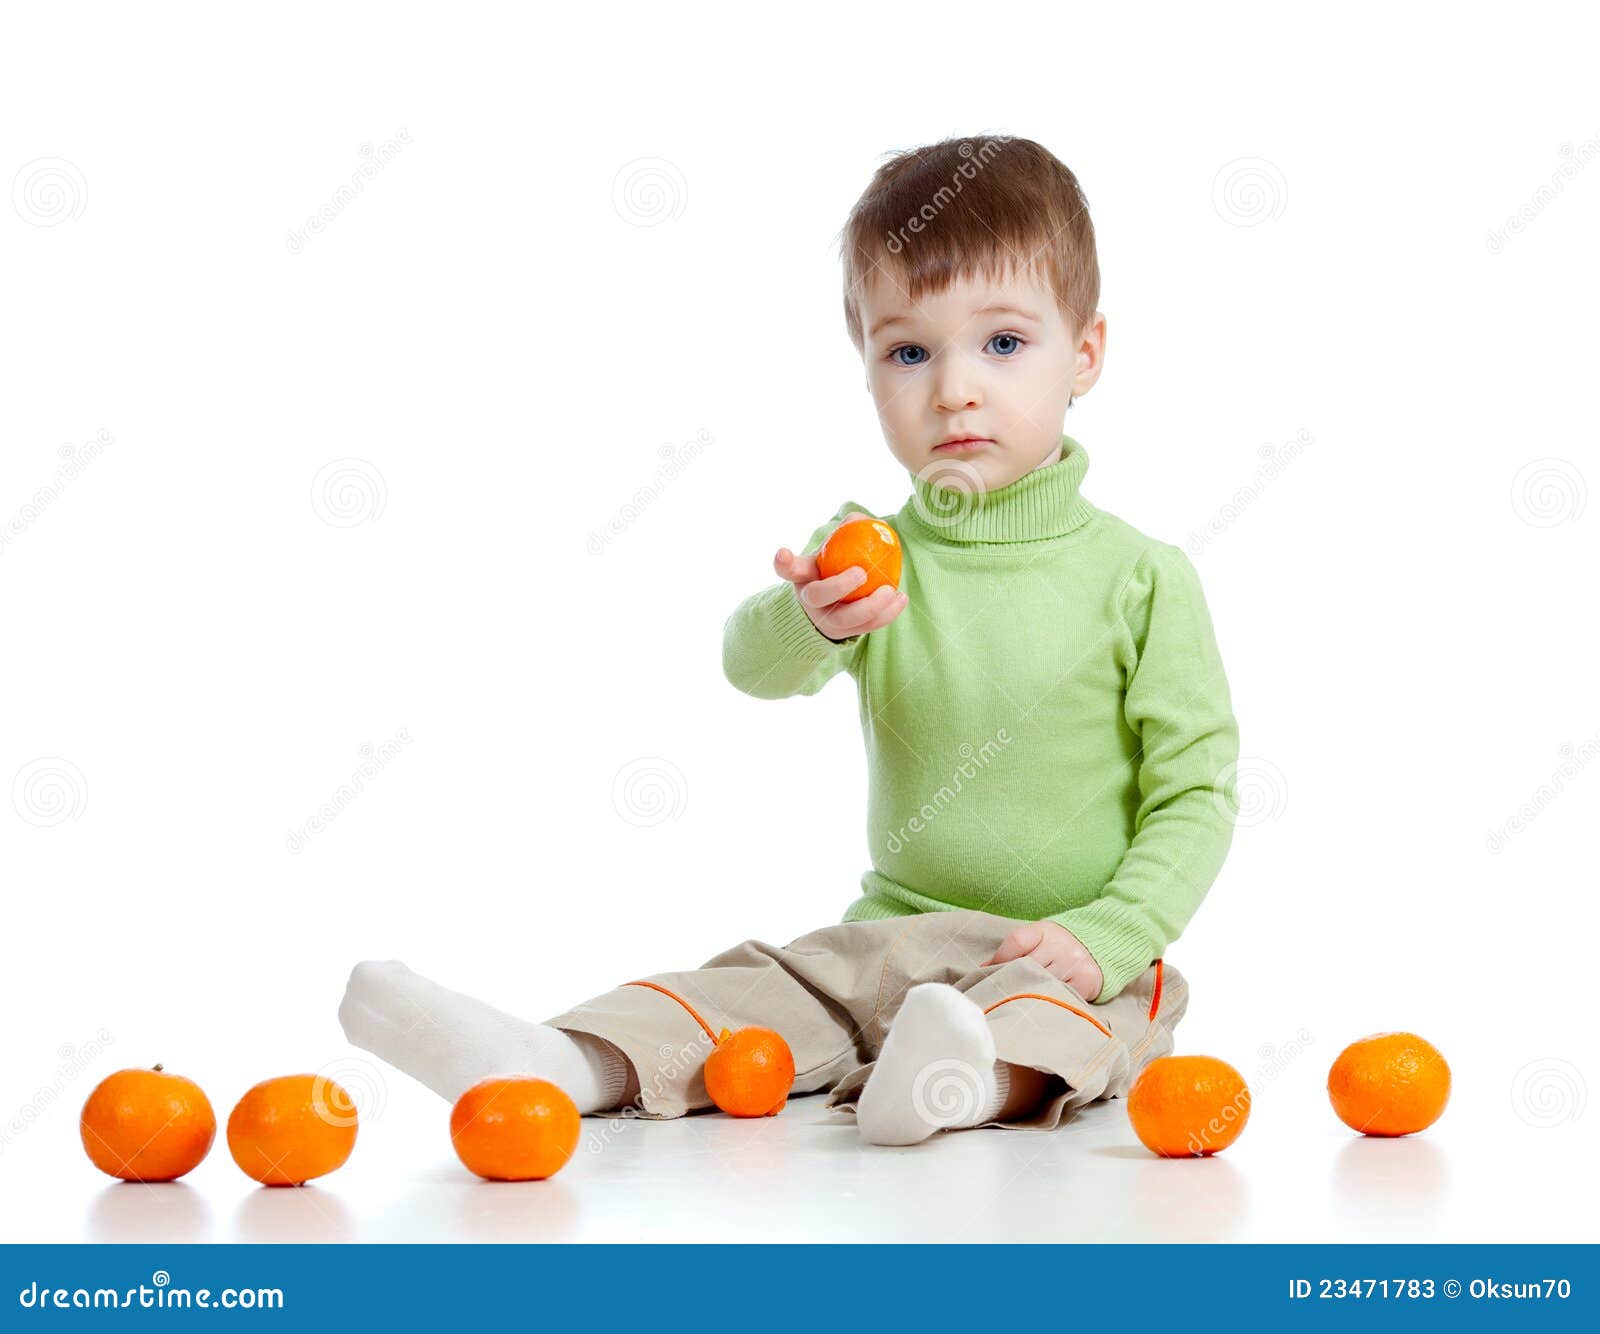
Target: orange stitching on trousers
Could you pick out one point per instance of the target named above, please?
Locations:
(1034, 995)
(663, 990)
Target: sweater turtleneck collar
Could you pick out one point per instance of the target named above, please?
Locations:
(1045, 503)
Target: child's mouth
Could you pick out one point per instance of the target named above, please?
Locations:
(961, 446)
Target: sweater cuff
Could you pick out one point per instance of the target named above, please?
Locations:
(797, 634)
(1122, 955)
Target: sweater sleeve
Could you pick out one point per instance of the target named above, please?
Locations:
(771, 649)
(1176, 700)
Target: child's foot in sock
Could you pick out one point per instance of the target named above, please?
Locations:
(449, 1041)
(937, 1071)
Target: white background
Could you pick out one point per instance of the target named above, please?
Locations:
(606, 243)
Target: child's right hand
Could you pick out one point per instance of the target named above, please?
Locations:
(820, 597)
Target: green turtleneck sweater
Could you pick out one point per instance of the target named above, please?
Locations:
(1048, 727)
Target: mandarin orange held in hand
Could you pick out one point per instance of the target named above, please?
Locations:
(147, 1125)
(869, 543)
(750, 1073)
(1188, 1106)
(1389, 1084)
(514, 1128)
(287, 1130)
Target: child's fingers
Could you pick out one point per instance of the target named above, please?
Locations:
(856, 618)
(1024, 940)
(825, 592)
(888, 606)
(803, 569)
(796, 569)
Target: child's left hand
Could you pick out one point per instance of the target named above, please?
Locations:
(1058, 950)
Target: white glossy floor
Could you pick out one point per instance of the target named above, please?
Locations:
(1483, 1173)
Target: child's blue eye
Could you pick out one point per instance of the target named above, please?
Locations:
(1012, 345)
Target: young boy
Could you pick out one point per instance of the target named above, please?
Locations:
(1049, 733)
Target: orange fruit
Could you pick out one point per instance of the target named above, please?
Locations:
(1188, 1106)
(750, 1073)
(514, 1129)
(287, 1130)
(147, 1125)
(1389, 1084)
(869, 543)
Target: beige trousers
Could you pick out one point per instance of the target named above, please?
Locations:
(833, 993)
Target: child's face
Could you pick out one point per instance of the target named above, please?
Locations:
(990, 357)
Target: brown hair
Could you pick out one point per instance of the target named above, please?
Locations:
(971, 208)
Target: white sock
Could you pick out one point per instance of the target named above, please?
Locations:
(937, 1070)
(449, 1041)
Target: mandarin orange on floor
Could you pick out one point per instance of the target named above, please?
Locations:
(514, 1128)
(1188, 1106)
(1389, 1084)
(750, 1073)
(289, 1130)
(869, 543)
(147, 1125)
